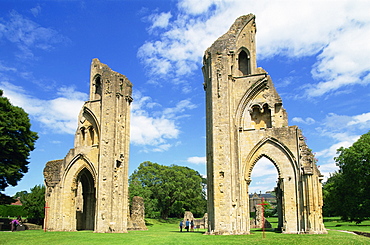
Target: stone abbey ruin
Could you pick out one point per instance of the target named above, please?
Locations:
(245, 122)
(88, 189)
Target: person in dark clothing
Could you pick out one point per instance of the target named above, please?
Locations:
(181, 225)
(187, 224)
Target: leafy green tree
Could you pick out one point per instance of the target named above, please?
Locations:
(34, 203)
(4, 199)
(136, 188)
(348, 190)
(169, 190)
(20, 194)
(332, 195)
(16, 142)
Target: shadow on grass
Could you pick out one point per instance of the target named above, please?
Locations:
(148, 222)
(190, 232)
(332, 220)
(267, 230)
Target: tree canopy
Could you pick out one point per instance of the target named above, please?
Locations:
(34, 203)
(169, 190)
(16, 142)
(346, 193)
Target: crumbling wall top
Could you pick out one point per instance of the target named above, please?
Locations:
(228, 40)
(52, 172)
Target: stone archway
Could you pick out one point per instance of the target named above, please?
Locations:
(288, 179)
(273, 195)
(246, 120)
(85, 201)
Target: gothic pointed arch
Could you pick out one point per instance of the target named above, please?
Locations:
(88, 133)
(89, 115)
(97, 87)
(258, 152)
(87, 164)
(246, 103)
(256, 159)
(84, 188)
(244, 61)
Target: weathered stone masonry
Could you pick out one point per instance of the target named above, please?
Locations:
(88, 189)
(246, 121)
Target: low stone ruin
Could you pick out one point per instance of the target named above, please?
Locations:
(137, 214)
(201, 223)
(258, 221)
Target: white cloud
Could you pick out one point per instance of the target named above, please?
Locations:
(340, 128)
(344, 131)
(361, 120)
(180, 107)
(162, 147)
(153, 126)
(264, 167)
(327, 165)
(197, 160)
(160, 20)
(195, 6)
(36, 10)
(147, 130)
(264, 176)
(70, 93)
(343, 127)
(28, 35)
(344, 61)
(337, 33)
(331, 152)
(307, 121)
(59, 114)
(6, 68)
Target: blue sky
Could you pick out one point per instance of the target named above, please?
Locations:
(317, 53)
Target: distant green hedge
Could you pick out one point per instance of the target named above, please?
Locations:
(12, 211)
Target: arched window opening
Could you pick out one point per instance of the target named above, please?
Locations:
(83, 136)
(267, 116)
(264, 187)
(91, 131)
(244, 63)
(98, 88)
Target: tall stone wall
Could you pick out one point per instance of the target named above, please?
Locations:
(246, 121)
(88, 189)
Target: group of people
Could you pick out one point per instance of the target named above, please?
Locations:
(187, 225)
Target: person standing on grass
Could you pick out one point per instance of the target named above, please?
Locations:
(181, 225)
(187, 223)
(192, 225)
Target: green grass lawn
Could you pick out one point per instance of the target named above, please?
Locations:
(335, 223)
(168, 233)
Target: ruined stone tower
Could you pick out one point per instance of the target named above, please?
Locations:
(245, 122)
(88, 189)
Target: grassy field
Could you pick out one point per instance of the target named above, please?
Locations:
(167, 233)
(334, 223)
